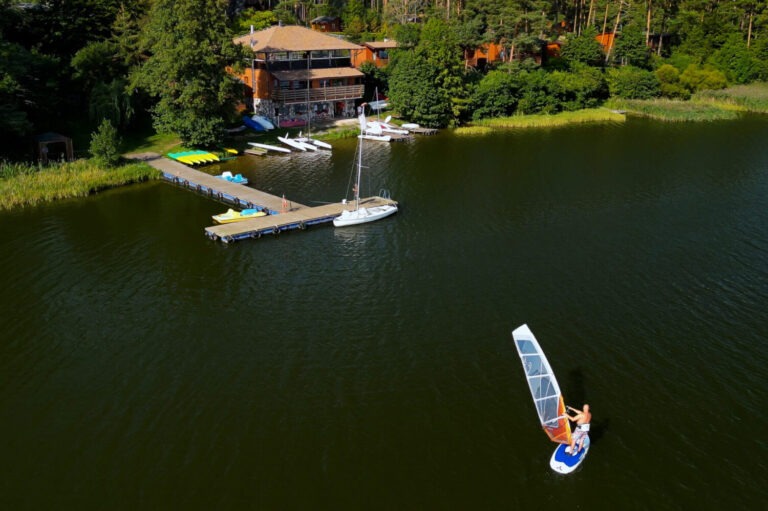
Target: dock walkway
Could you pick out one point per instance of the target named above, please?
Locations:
(282, 215)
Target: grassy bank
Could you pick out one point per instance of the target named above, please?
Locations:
(752, 97)
(541, 121)
(27, 185)
(677, 111)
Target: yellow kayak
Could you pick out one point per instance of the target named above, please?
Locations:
(236, 216)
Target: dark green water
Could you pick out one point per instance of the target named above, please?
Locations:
(144, 366)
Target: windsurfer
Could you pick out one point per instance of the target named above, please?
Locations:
(582, 418)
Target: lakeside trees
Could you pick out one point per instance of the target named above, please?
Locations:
(189, 46)
(69, 65)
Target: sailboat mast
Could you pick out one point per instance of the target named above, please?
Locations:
(359, 172)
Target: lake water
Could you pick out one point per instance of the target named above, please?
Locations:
(145, 366)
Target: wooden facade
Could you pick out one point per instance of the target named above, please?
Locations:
(483, 55)
(374, 51)
(297, 74)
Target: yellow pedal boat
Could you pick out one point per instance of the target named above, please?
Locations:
(236, 216)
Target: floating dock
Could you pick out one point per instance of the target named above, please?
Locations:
(282, 214)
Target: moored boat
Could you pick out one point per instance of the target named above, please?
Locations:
(237, 178)
(292, 143)
(270, 147)
(236, 216)
(361, 215)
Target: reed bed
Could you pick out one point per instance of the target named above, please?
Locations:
(550, 121)
(752, 97)
(675, 110)
(30, 185)
(473, 131)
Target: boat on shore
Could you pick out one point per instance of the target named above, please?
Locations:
(315, 142)
(270, 147)
(379, 138)
(292, 123)
(255, 126)
(231, 216)
(266, 123)
(292, 143)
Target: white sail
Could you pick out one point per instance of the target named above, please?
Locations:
(543, 385)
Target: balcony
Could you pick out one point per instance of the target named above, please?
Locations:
(323, 94)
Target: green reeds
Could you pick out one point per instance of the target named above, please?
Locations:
(676, 111)
(752, 97)
(469, 131)
(547, 121)
(28, 185)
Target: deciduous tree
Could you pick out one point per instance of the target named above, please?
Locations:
(189, 47)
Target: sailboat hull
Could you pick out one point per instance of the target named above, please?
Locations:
(364, 215)
(565, 463)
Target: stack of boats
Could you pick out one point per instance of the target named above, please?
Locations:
(383, 130)
(300, 143)
(258, 123)
(194, 157)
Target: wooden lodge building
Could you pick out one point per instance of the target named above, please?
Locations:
(296, 73)
(374, 51)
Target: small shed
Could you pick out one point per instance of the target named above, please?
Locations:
(46, 153)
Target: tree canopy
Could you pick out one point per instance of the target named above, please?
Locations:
(119, 59)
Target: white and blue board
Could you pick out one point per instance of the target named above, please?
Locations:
(565, 463)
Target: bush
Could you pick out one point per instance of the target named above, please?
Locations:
(495, 96)
(630, 82)
(584, 49)
(669, 77)
(105, 144)
(696, 78)
(583, 87)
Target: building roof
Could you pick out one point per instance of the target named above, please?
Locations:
(292, 38)
(50, 136)
(381, 45)
(317, 74)
(325, 19)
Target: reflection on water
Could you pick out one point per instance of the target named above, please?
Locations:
(143, 365)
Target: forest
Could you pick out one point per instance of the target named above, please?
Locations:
(106, 70)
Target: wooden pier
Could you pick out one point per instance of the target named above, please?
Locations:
(282, 215)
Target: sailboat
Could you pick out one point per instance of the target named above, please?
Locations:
(361, 215)
(548, 400)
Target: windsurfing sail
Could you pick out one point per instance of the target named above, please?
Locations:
(544, 388)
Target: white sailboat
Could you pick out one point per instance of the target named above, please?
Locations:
(548, 400)
(361, 215)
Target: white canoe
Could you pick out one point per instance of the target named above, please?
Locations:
(292, 143)
(380, 138)
(270, 147)
(318, 143)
